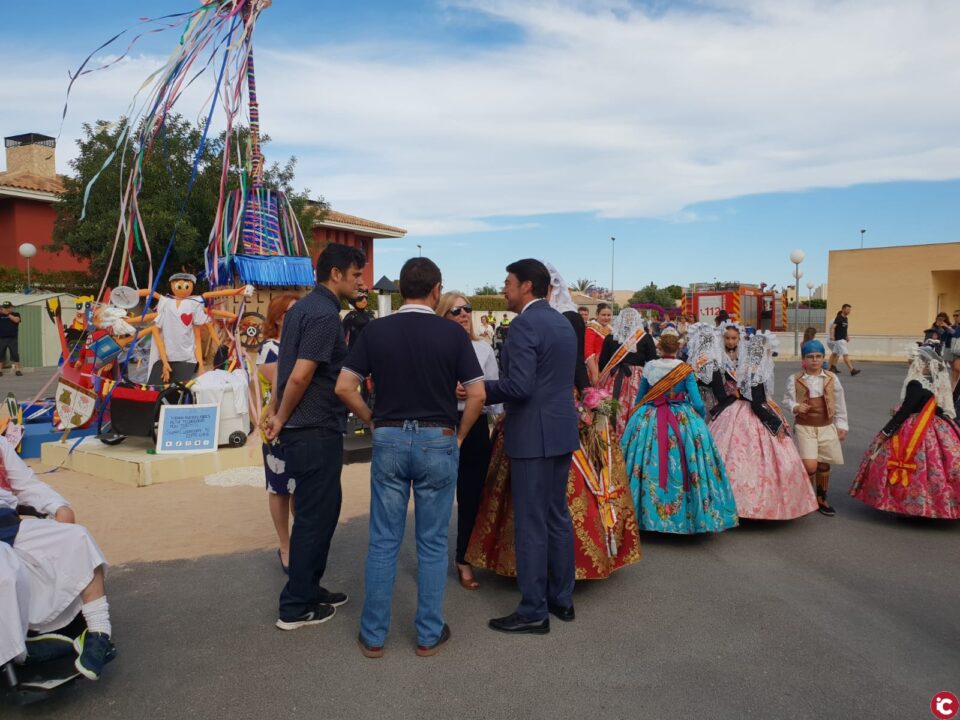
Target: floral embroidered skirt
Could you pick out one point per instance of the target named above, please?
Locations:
(600, 546)
(766, 473)
(925, 484)
(694, 496)
(629, 388)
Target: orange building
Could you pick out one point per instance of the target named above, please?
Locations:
(28, 191)
(338, 227)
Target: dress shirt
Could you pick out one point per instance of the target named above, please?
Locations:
(815, 385)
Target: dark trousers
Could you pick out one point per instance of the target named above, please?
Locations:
(544, 534)
(314, 459)
(471, 475)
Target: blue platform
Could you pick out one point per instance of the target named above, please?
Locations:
(38, 433)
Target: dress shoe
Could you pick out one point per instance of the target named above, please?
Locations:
(562, 613)
(514, 623)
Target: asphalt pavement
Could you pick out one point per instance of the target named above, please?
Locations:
(856, 616)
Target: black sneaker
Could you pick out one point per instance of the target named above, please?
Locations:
(48, 646)
(855, 371)
(319, 614)
(833, 369)
(825, 508)
(95, 650)
(333, 598)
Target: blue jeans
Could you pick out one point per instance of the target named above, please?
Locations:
(425, 459)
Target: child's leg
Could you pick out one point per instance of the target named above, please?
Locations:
(822, 483)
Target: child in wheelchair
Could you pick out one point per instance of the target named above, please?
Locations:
(51, 571)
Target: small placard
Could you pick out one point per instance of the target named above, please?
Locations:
(188, 428)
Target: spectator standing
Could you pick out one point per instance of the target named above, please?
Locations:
(839, 336)
(486, 330)
(357, 319)
(9, 337)
(585, 314)
(280, 484)
(416, 360)
(309, 421)
(476, 448)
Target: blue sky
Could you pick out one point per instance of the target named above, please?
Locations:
(709, 137)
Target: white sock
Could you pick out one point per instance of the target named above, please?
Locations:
(97, 614)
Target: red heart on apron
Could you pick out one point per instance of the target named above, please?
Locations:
(186, 318)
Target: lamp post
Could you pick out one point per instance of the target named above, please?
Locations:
(27, 251)
(809, 302)
(613, 249)
(419, 250)
(862, 233)
(796, 257)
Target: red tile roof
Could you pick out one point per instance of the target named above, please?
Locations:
(339, 217)
(28, 181)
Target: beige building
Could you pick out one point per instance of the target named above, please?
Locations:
(895, 293)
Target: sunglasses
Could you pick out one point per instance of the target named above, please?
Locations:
(463, 308)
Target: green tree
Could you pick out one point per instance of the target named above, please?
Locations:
(486, 290)
(664, 297)
(166, 171)
(582, 285)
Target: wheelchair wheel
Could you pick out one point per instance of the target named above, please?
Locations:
(106, 434)
(178, 394)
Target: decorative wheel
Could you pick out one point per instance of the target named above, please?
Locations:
(251, 330)
(237, 438)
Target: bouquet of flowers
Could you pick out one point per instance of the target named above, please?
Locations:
(596, 407)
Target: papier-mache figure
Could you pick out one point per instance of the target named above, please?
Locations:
(181, 318)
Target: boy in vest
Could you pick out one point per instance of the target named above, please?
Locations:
(815, 397)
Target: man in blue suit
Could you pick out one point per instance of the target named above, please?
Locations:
(540, 434)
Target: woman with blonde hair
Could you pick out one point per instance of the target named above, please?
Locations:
(475, 451)
(280, 485)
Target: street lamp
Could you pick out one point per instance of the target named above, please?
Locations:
(27, 251)
(419, 251)
(809, 302)
(862, 233)
(613, 247)
(796, 257)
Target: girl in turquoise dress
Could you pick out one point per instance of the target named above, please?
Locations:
(677, 477)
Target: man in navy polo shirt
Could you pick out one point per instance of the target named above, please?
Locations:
(308, 420)
(416, 359)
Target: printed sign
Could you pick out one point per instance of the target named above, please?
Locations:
(708, 307)
(75, 404)
(188, 428)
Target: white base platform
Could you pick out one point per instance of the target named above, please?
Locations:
(129, 462)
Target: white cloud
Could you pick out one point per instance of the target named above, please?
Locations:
(601, 108)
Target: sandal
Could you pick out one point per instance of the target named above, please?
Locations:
(470, 584)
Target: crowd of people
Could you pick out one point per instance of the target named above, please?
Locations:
(564, 445)
(559, 450)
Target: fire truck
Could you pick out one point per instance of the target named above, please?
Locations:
(753, 305)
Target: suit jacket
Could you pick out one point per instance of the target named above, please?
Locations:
(536, 385)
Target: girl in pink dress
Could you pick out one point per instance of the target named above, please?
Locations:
(766, 473)
(913, 465)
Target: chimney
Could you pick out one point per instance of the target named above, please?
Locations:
(32, 154)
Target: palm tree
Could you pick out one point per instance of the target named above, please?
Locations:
(582, 285)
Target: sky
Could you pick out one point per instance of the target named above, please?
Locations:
(709, 137)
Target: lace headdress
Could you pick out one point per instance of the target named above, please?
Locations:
(626, 324)
(705, 342)
(756, 363)
(560, 298)
(929, 369)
